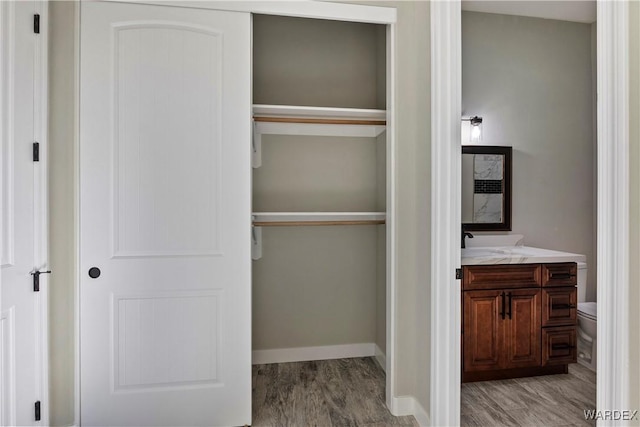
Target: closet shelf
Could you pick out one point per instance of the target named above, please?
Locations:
(318, 115)
(313, 121)
(280, 219)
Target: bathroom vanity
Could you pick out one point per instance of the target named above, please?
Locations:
(519, 312)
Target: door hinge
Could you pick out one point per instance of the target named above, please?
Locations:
(36, 23)
(36, 279)
(458, 273)
(37, 411)
(36, 151)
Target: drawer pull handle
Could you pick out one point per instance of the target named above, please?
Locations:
(561, 346)
(562, 306)
(502, 313)
(561, 275)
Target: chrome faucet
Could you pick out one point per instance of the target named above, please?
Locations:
(463, 235)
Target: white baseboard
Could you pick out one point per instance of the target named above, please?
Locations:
(408, 405)
(302, 354)
(421, 415)
(381, 358)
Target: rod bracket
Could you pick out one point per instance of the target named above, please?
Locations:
(256, 242)
(256, 147)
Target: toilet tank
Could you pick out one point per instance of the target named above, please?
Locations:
(582, 281)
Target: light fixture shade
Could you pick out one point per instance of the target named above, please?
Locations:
(475, 134)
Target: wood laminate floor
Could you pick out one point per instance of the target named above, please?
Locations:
(552, 400)
(350, 392)
(327, 393)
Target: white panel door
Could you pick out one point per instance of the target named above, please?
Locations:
(165, 216)
(22, 310)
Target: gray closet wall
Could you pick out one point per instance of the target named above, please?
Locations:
(317, 286)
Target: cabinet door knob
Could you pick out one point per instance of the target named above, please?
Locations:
(94, 272)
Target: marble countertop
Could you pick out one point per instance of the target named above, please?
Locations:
(516, 255)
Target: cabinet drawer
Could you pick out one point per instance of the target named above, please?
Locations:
(501, 276)
(559, 306)
(559, 345)
(561, 274)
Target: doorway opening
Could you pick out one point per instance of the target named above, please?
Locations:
(612, 205)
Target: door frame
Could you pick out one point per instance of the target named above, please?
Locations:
(40, 180)
(41, 200)
(612, 208)
(302, 9)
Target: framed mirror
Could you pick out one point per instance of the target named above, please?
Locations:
(486, 188)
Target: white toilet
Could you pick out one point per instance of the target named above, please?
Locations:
(587, 327)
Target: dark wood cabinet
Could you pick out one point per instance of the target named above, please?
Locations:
(559, 345)
(501, 329)
(501, 276)
(559, 306)
(522, 329)
(512, 325)
(483, 337)
(561, 274)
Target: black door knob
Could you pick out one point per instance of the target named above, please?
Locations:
(94, 272)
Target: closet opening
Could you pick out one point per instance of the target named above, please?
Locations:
(319, 214)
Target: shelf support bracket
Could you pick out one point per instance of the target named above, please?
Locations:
(256, 242)
(256, 147)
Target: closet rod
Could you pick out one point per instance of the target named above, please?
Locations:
(318, 223)
(321, 121)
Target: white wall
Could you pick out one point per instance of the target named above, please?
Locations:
(531, 81)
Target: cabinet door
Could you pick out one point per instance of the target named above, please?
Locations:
(522, 329)
(483, 338)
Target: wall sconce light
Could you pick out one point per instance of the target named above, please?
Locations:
(475, 133)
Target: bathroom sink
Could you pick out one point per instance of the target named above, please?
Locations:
(515, 255)
(479, 252)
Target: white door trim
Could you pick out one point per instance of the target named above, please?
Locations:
(303, 9)
(613, 203)
(299, 8)
(392, 239)
(76, 214)
(41, 201)
(446, 155)
(40, 182)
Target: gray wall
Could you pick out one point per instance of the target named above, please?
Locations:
(317, 285)
(413, 187)
(314, 62)
(62, 211)
(531, 81)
